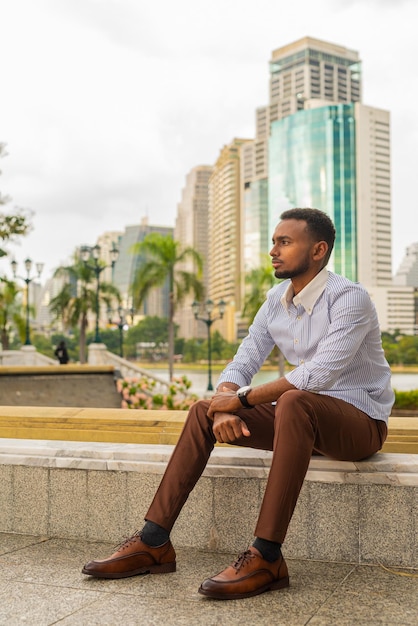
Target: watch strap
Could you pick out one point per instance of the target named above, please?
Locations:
(244, 401)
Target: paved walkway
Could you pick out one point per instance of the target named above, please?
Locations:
(41, 584)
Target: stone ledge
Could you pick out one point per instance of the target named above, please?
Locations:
(382, 468)
(349, 512)
(40, 370)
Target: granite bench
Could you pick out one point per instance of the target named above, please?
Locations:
(362, 512)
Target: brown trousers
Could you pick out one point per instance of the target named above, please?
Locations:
(299, 425)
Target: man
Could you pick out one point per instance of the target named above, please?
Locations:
(336, 401)
(61, 353)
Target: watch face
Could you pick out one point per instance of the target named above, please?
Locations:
(242, 395)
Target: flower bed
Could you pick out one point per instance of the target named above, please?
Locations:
(140, 393)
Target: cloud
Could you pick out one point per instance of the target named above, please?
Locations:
(107, 104)
(374, 4)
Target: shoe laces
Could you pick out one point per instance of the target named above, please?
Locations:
(243, 559)
(125, 543)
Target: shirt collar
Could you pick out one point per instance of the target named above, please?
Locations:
(309, 294)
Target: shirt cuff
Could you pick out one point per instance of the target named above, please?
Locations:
(233, 376)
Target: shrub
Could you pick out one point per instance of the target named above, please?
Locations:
(140, 393)
(406, 399)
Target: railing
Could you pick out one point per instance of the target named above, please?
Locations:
(130, 370)
(98, 355)
(26, 356)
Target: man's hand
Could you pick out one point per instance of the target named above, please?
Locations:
(224, 401)
(227, 428)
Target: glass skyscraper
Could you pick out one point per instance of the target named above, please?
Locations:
(329, 151)
(255, 212)
(312, 163)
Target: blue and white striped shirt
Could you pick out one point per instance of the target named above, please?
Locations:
(330, 333)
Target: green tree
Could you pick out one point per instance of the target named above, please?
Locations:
(194, 350)
(259, 281)
(408, 349)
(43, 344)
(11, 225)
(163, 261)
(110, 337)
(220, 347)
(77, 299)
(10, 312)
(152, 329)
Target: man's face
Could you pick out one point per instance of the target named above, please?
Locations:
(292, 249)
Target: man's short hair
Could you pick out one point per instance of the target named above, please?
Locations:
(319, 225)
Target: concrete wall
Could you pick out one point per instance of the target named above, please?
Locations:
(352, 512)
(59, 386)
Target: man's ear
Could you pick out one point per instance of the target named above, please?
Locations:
(320, 250)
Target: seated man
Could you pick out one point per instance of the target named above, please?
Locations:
(336, 401)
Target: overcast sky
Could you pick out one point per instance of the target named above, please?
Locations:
(106, 105)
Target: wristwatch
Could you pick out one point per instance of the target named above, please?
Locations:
(242, 395)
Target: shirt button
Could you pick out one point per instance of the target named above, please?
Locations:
(302, 361)
(298, 317)
(296, 340)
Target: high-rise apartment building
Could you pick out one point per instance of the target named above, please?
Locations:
(309, 69)
(156, 303)
(397, 308)
(329, 151)
(107, 241)
(225, 238)
(407, 273)
(191, 230)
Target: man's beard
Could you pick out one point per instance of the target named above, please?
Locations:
(292, 273)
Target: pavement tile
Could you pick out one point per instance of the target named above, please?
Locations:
(134, 611)
(41, 584)
(9, 542)
(39, 605)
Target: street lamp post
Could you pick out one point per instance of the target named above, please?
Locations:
(121, 324)
(86, 253)
(27, 279)
(209, 320)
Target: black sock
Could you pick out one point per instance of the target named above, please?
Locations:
(270, 550)
(154, 535)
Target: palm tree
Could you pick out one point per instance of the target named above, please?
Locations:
(163, 259)
(77, 298)
(10, 312)
(260, 280)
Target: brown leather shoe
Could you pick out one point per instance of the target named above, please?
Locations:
(133, 557)
(248, 576)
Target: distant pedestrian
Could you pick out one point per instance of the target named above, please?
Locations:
(61, 353)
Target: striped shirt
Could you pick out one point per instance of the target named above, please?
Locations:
(330, 333)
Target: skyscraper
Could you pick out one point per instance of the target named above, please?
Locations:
(191, 229)
(407, 273)
(312, 69)
(225, 234)
(336, 158)
(329, 151)
(156, 302)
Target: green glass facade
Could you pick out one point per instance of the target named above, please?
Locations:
(312, 163)
(257, 236)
